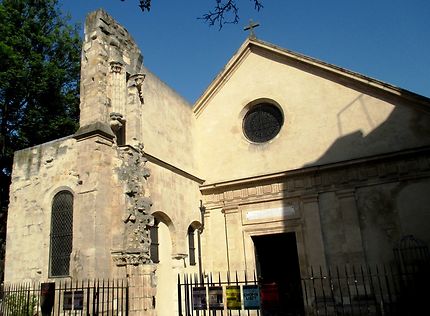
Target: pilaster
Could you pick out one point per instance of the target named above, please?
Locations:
(117, 87)
(233, 228)
(313, 231)
(353, 247)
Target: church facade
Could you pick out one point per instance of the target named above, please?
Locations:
(284, 163)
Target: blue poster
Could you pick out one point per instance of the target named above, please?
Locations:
(251, 297)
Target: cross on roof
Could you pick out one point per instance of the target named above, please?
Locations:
(251, 27)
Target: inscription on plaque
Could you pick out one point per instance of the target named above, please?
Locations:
(285, 211)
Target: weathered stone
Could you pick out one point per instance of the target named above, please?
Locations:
(347, 174)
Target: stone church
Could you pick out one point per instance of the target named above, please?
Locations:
(285, 162)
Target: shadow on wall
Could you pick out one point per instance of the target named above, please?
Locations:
(405, 128)
(390, 196)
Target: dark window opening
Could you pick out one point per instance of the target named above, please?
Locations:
(191, 246)
(120, 135)
(153, 232)
(61, 233)
(262, 122)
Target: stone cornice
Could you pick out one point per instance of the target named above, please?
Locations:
(172, 168)
(348, 175)
(94, 129)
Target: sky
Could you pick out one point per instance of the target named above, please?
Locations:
(388, 40)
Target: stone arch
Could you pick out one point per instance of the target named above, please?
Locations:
(192, 242)
(195, 225)
(165, 272)
(257, 101)
(50, 196)
(162, 217)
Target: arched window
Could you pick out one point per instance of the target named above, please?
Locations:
(61, 234)
(153, 232)
(191, 246)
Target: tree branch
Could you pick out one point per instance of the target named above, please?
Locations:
(226, 12)
(144, 5)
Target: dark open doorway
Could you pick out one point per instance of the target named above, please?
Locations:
(279, 273)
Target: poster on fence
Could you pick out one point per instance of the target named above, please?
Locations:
(215, 298)
(251, 297)
(67, 300)
(233, 297)
(199, 298)
(78, 300)
(269, 295)
(47, 297)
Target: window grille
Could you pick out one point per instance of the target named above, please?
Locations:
(411, 254)
(262, 123)
(191, 246)
(61, 233)
(153, 233)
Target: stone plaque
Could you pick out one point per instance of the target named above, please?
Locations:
(285, 211)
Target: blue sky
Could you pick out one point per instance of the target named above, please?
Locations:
(388, 40)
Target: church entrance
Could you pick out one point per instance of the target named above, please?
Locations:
(279, 274)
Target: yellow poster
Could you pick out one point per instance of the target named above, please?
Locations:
(233, 297)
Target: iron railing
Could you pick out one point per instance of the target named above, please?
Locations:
(228, 293)
(364, 290)
(98, 297)
(384, 290)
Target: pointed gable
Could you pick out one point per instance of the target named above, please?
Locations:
(330, 115)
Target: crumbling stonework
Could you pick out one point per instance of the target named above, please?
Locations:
(112, 75)
(137, 217)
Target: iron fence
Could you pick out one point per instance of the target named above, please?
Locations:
(384, 290)
(98, 297)
(193, 292)
(237, 293)
(363, 290)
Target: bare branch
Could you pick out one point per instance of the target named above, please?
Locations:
(258, 4)
(226, 12)
(144, 5)
(223, 13)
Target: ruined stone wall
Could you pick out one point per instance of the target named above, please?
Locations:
(86, 167)
(38, 174)
(110, 66)
(118, 90)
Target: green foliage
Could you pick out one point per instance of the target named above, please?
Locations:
(39, 79)
(21, 303)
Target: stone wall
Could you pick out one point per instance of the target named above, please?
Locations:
(38, 174)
